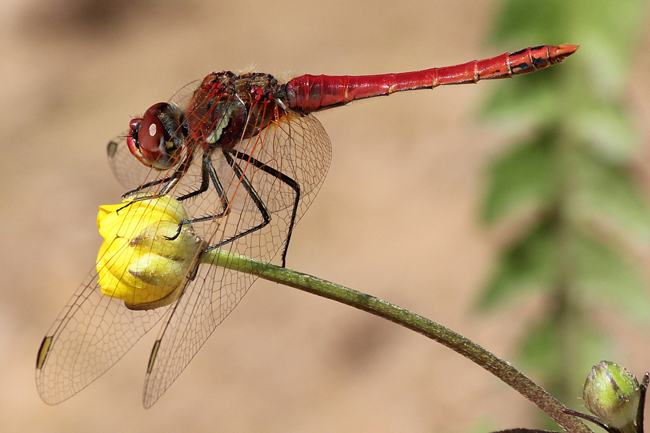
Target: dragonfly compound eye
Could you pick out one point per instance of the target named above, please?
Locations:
(154, 139)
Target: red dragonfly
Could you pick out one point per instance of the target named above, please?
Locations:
(246, 157)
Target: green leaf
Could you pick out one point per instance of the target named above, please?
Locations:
(525, 102)
(589, 188)
(595, 345)
(607, 130)
(606, 195)
(605, 279)
(522, 177)
(531, 22)
(528, 264)
(563, 347)
(607, 32)
(542, 349)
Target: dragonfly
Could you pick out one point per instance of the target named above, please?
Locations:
(245, 155)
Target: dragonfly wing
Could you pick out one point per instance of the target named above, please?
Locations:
(130, 172)
(90, 335)
(297, 146)
(215, 291)
(265, 185)
(190, 322)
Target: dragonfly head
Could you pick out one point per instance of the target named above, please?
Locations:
(156, 138)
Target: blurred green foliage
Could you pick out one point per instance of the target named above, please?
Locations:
(569, 180)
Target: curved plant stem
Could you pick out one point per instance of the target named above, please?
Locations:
(408, 319)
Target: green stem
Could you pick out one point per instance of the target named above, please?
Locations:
(408, 319)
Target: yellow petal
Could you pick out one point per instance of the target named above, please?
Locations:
(131, 217)
(146, 254)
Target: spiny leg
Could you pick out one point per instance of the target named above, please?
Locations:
(205, 183)
(217, 184)
(286, 179)
(252, 194)
(170, 180)
(208, 173)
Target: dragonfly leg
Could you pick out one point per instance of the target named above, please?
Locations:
(170, 182)
(287, 180)
(208, 174)
(217, 184)
(253, 195)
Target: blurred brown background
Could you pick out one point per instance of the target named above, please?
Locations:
(396, 217)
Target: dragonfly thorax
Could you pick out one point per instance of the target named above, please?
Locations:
(227, 108)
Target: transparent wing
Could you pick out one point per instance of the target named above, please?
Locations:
(90, 335)
(297, 147)
(257, 192)
(130, 172)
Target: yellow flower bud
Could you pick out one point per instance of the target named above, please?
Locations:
(138, 262)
